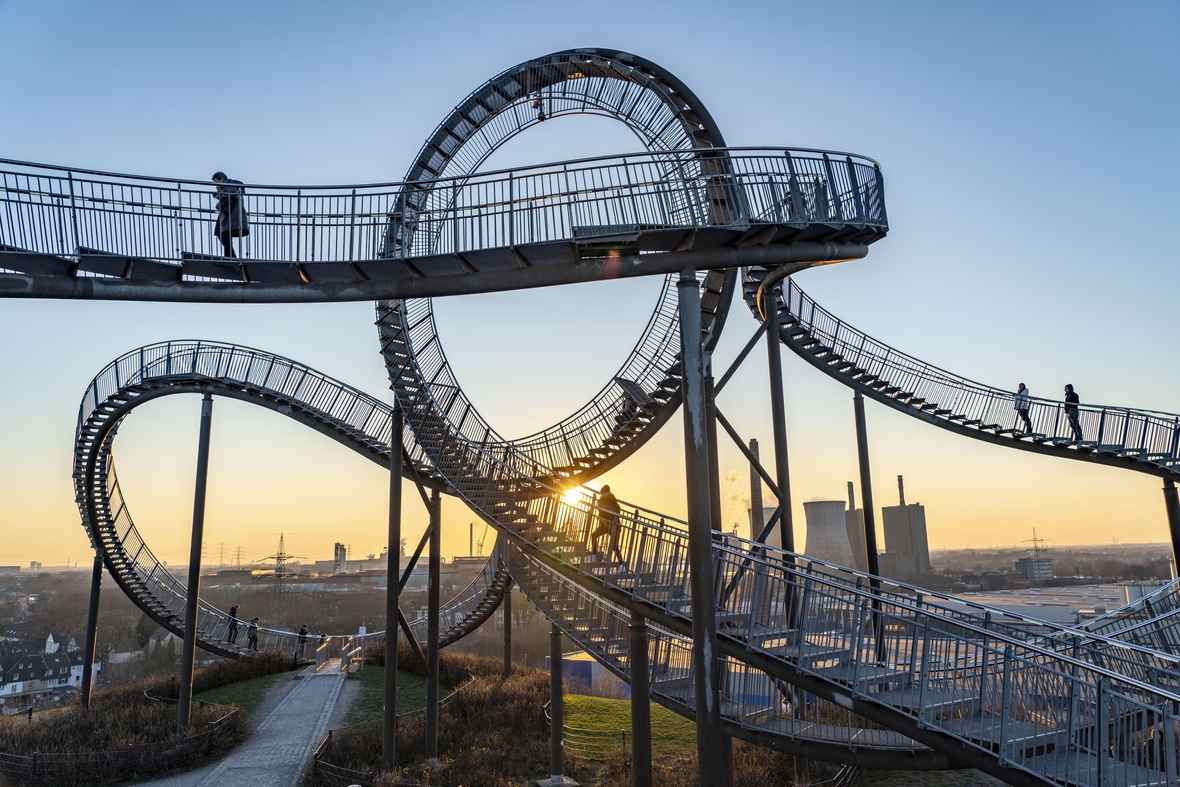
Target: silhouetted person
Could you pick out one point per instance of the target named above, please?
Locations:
(1022, 407)
(1071, 411)
(252, 634)
(608, 524)
(302, 639)
(232, 220)
(232, 634)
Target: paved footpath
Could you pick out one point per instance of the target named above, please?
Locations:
(279, 749)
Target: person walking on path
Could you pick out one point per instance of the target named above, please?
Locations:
(302, 640)
(1071, 411)
(1022, 407)
(608, 525)
(232, 635)
(252, 634)
(232, 219)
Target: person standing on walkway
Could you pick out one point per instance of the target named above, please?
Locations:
(252, 634)
(608, 525)
(1071, 411)
(232, 634)
(232, 219)
(1022, 407)
(302, 640)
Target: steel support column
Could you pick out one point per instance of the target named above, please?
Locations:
(717, 525)
(778, 416)
(556, 709)
(432, 624)
(640, 704)
(1172, 504)
(866, 484)
(392, 588)
(507, 607)
(866, 501)
(189, 652)
(91, 645)
(706, 684)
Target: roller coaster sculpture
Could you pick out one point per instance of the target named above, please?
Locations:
(898, 676)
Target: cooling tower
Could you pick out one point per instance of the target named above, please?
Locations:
(827, 533)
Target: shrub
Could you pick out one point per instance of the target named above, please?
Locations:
(223, 673)
(493, 732)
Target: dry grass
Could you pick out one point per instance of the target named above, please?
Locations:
(493, 733)
(122, 716)
(753, 766)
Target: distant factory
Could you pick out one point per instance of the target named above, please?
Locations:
(836, 530)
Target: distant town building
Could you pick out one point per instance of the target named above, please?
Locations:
(34, 565)
(905, 538)
(827, 532)
(1036, 570)
(8, 570)
(340, 558)
(60, 641)
(30, 672)
(854, 523)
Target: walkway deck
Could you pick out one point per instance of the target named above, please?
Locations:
(279, 749)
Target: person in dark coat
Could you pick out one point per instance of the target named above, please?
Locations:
(608, 524)
(232, 634)
(232, 219)
(302, 639)
(252, 633)
(1071, 411)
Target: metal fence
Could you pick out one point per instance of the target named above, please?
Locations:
(137, 761)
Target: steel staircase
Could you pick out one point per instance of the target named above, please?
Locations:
(1144, 440)
(976, 693)
(353, 418)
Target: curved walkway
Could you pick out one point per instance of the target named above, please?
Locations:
(281, 744)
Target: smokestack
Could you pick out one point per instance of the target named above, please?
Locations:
(756, 519)
(851, 498)
(900, 491)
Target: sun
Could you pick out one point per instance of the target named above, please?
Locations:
(572, 496)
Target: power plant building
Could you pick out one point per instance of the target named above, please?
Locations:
(907, 551)
(854, 523)
(827, 532)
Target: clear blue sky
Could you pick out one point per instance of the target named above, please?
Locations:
(1032, 187)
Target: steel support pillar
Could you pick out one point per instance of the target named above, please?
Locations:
(432, 624)
(866, 501)
(717, 525)
(556, 709)
(706, 682)
(189, 651)
(640, 704)
(392, 588)
(507, 607)
(866, 485)
(778, 416)
(1172, 504)
(91, 645)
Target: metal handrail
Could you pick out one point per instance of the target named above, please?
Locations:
(1150, 438)
(45, 213)
(392, 184)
